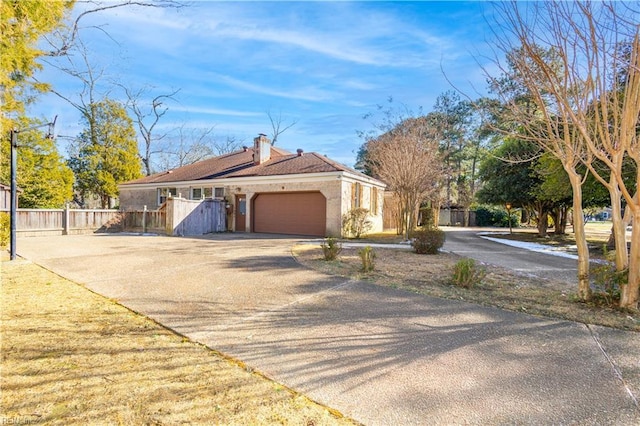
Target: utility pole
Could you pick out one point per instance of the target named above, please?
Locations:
(14, 192)
(14, 180)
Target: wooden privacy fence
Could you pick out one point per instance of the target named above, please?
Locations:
(31, 222)
(457, 217)
(192, 217)
(177, 217)
(144, 221)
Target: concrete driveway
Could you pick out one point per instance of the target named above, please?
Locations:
(378, 355)
(469, 243)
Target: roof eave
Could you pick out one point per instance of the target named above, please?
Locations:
(297, 177)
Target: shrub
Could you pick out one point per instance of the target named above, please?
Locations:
(483, 216)
(426, 217)
(331, 248)
(427, 241)
(368, 258)
(466, 273)
(495, 216)
(356, 223)
(5, 229)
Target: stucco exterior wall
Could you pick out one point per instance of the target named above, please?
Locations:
(375, 217)
(336, 189)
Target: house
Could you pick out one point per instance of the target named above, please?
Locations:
(267, 189)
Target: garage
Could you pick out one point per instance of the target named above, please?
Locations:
(294, 213)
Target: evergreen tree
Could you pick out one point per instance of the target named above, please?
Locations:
(106, 152)
(22, 25)
(43, 177)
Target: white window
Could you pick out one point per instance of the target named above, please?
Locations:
(196, 193)
(208, 192)
(164, 193)
(219, 193)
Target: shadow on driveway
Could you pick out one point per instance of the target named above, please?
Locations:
(376, 354)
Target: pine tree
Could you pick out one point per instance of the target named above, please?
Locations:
(106, 152)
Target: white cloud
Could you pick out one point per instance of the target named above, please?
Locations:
(326, 44)
(351, 32)
(216, 111)
(325, 63)
(307, 93)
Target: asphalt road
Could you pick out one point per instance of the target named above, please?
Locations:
(378, 355)
(470, 244)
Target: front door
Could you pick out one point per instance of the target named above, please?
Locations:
(241, 213)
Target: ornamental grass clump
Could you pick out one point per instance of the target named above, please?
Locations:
(368, 257)
(467, 274)
(331, 248)
(427, 240)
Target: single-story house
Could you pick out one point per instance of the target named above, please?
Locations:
(267, 189)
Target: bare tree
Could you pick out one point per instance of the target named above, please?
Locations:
(186, 146)
(79, 67)
(146, 118)
(407, 158)
(587, 103)
(227, 145)
(64, 40)
(69, 55)
(278, 126)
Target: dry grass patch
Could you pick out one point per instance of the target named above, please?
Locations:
(70, 356)
(432, 275)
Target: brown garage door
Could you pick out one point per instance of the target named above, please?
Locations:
(294, 213)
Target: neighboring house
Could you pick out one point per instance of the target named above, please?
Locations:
(267, 190)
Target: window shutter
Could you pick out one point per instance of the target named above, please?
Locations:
(374, 200)
(356, 195)
(353, 195)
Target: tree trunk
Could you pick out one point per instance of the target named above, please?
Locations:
(397, 213)
(542, 224)
(543, 219)
(409, 212)
(618, 230)
(629, 292)
(584, 289)
(563, 220)
(560, 220)
(436, 213)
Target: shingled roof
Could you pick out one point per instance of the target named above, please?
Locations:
(241, 164)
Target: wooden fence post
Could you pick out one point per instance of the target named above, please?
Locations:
(169, 219)
(144, 220)
(65, 220)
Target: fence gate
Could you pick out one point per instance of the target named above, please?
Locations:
(192, 217)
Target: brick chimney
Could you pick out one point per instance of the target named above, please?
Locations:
(261, 149)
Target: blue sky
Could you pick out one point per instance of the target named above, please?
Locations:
(324, 64)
